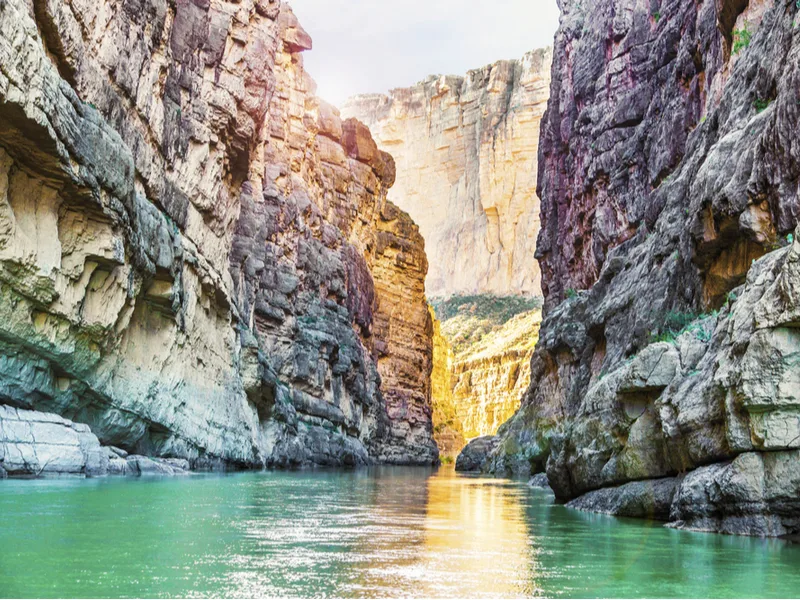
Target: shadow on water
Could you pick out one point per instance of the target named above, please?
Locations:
(369, 533)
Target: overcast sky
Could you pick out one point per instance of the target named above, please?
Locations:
(363, 46)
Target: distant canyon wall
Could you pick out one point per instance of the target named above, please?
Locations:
(197, 256)
(482, 352)
(466, 154)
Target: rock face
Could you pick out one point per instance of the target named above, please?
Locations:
(197, 257)
(34, 443)
(482, 352)
(490, 377)
(448, 429)
(466, 151)
(669, 202)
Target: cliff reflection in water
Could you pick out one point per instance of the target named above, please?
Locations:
(476, 539)
(381, 532)
(447, 535)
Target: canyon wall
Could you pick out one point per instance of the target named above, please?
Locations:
(482, 352)
(197, 257)
(491, 376)
(466, 154)
(448, 429)
(669, 182)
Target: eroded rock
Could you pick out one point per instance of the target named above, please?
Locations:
(191, 262)
(757, 494)
(34, 444)
(640, 499)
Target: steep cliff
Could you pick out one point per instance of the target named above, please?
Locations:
(197, 257)
(466, 151)
(448, 429)
(482, 352)
(669, 184)
(491, 376)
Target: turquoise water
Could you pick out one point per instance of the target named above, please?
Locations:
(371, 533)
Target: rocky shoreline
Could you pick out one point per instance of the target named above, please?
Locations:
(37, 444)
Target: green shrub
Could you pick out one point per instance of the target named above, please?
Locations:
(677, 323)
(466, 320)
(741, 39)
(499, 309)
(571, 293)
(761, 105)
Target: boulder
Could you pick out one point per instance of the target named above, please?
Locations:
(475, 453)
(642, 499)
(36, 443)
(143, 465)
(540, 482)
(756, 494)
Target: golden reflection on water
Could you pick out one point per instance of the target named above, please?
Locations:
(470, 538)
(476, 539)
(384, 532)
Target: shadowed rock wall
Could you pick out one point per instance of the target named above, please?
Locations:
(669, 186)
(197, 258)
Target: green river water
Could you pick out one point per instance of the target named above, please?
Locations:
(370, 533)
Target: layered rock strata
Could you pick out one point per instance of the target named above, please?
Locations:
(447, 425)
(197, 257)
(466, 153)
(669, 202)
(482, 352)
(489, 378)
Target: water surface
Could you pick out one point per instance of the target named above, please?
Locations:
(370, 533)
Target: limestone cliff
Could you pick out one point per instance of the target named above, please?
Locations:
(448, 430)
(197, 257)
(669, 186)
(490, 377)
(482, 353)
(466, 154)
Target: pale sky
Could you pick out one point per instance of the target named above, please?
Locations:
(363, 46)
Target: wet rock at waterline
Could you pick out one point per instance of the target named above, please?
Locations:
(474, 454)
(540, 482)
(757, 494)
(642, 499)
(35, 443)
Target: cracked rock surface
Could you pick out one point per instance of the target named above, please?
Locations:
(197, 257)
(669, 253)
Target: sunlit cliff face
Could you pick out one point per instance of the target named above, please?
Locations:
(466, 151)
(481, 366)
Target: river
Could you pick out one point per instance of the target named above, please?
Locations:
(376, 532)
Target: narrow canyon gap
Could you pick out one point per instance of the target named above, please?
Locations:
(466, 153)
